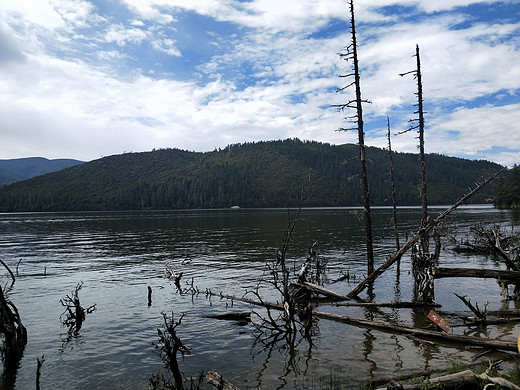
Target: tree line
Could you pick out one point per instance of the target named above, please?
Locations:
(262, 174)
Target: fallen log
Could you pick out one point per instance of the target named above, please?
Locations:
(243, 316)
(504, 275)
(311, 287)
(387, 264)
(398, 305)
(423, 333)
(414, 332)
(451, 381)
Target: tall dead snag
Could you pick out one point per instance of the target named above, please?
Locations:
(422, 260)
(394, 204)
(387, 264)
(350, 54)
(12, 330)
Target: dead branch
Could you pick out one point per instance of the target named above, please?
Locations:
(10, 272)
(74, 314)
(481, 314)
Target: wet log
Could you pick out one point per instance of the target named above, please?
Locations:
(314, 288)
(422, 333)
(452, 381)
(215, 379)
(506, 276)
(243, 316)
(398, 305)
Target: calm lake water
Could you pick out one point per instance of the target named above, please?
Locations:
(117, 255)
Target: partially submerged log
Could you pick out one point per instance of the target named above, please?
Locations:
(423, 333)
(397, 305)
(452, 381)
(504, 275)
(314, 288)
(414, 332)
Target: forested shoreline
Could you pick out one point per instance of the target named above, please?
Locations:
(263, 174)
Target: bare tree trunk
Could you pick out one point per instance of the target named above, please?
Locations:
(357, 104)
(394, 204)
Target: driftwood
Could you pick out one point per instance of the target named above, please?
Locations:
(387, 264)
(509, 276)
(314, 288)
(399, 305)
(452, 381)
(215, 379)
(414, 332)
(422, 333)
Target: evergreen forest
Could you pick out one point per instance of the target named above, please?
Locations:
(262, 174)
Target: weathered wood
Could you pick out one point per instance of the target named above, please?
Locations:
(321, 290)
(429, 334)
(415, 332)
(451, 381)
(509, 276)
(399, 305)
(243, 316)
(387, 264)
(215, 379)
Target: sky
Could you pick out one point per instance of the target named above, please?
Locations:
(86, 79)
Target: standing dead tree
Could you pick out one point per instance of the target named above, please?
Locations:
(13, 332)
(422, 260)
(74, 313)
(350, 54)
(432, 224)
(394, 204)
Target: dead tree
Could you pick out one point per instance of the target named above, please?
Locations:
(350, 54)
(74, 314)
(420, 128)
(387, 264)
(12, 330)
(394, 204)
(167, 347)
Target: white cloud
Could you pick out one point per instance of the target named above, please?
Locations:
(122, 35)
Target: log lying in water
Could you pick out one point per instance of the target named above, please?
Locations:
(398, 305)
(506, 276)
(314, 288)
(453, 381)
(422, 333)
(415, 332)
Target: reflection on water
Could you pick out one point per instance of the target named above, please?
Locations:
(118, 255)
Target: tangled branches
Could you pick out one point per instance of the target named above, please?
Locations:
(74, 314)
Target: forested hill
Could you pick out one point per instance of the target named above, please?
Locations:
(264, 174)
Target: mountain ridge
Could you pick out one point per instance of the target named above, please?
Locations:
(18, 169)
(261, 174)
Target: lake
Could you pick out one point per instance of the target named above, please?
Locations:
(118, 254)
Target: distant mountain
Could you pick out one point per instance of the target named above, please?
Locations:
(25, 168)
(263, 174)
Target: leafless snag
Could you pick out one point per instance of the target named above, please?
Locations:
(167, 347)
(394, 204)
(13, 332)
(350, 54)
(74, 314)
